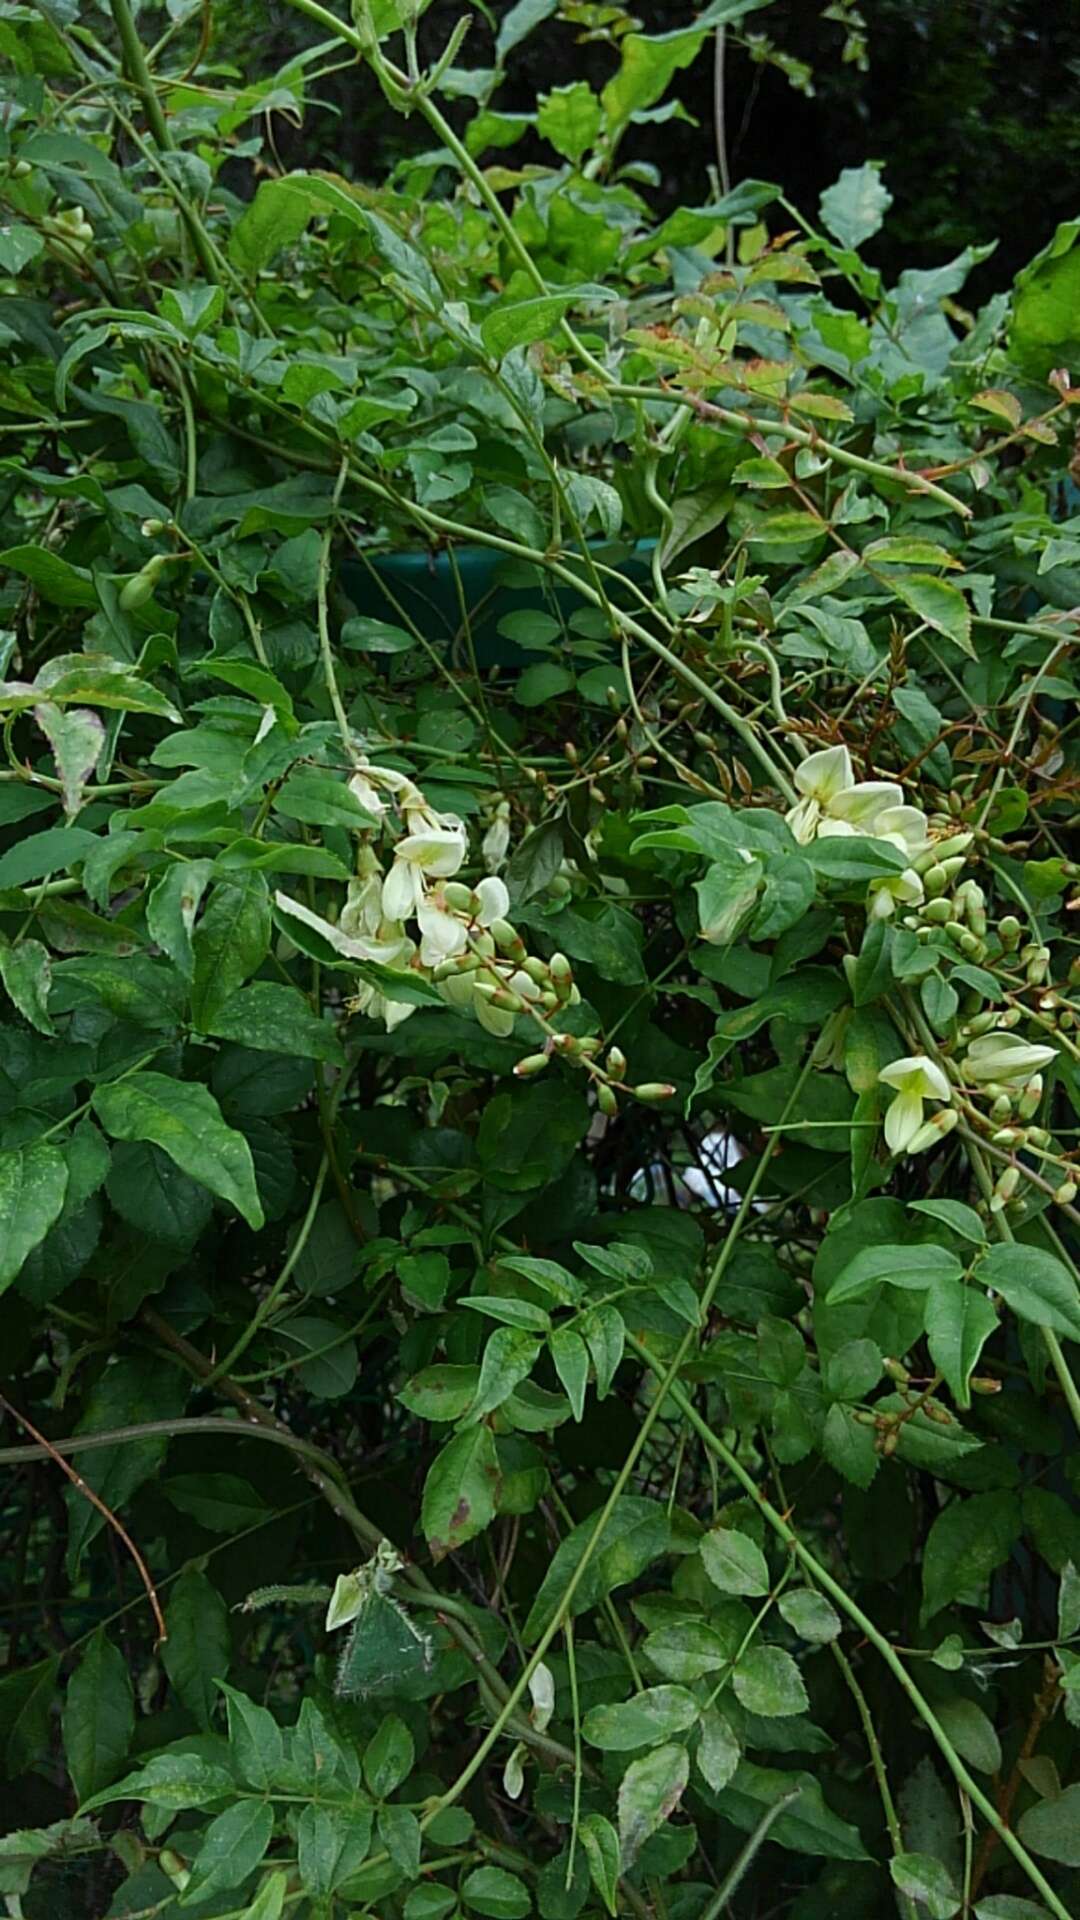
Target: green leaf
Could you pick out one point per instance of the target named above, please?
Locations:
(42, 854)
(570, 117)
(509, 1358)
(809, 1827)
(854, 208)
(175, 1781)
(275, 218)
(232, 1848)
(972, 1733)
(184, 1119)
(637, 1533)
(26, 972)
(99, 1717)
(130, 1391)
(269, 1902)
(955, 1214)
(441, 1392)
(497, 1894)
(33, 1182)
(76, 737)
(926, 1880)
(647, 67)
(718, 1749)
(959, 1322)
(601, 1844)
(734, 1563)
(459, 1492)
(54, 577)
(332, 1844)
(274, 1019)
(570, 1358)
(1052, 1827)
(649, 1792)
(810, 1615)
(519, 22)
(388, 1757)
(1069, 1602)
(767, 1680)
(230, 942)
(642, 1721)
(220, 1502)
(1044, 331)
(1036, 1285)
(196, 1653)
(966, 1543)
(171, 906)
(910, 1268)
(849, 1446)
(940, 605)
(256, 1744)
(150, 1192)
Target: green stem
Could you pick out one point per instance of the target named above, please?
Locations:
(746, 1856)
(1050, 1340)
(668, 1381)
(751, 424)
(266, 1306)
(866, 1626)
(139, 74)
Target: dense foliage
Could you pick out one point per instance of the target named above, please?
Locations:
(537, 1112)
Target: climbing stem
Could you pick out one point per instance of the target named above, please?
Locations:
(843, 1600)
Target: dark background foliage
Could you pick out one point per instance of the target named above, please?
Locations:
(972, 105)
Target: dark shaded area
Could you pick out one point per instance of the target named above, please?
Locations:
(973, 105)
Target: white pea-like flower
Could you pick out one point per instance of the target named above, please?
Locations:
(916, 1078)
(1004, 1057)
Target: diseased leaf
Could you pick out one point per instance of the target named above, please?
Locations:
(459, 1492)
(649, 1792)
(33, 1182)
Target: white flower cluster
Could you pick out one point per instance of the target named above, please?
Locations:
(999, 1060)
(834, 803)
(414, 917)
(417, 918)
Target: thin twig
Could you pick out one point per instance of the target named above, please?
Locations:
(95, 1500)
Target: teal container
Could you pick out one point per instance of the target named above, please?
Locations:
(422, 585)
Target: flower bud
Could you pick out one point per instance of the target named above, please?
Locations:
(1008, 1137)
(982, 1383)
(533, 1063)
(458, 896)
(1039, 1137)
(1009, 931)
(151, 528)
(1065, 1194)
(1005, 1188)
(935, 880)
(957, 843)
(175, 1867)
(139, 589)
(606, 1100)
(507, 939)
(616, 1063)
(937, 912)
(653, 1092)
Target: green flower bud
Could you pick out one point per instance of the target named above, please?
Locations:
(935, 880)
(653, 1093)
(457, 896)
(606, 1100)
(1065, 1194)
(937, 912)
(533, 1063)
(1005, 1188)
(616, 1063)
